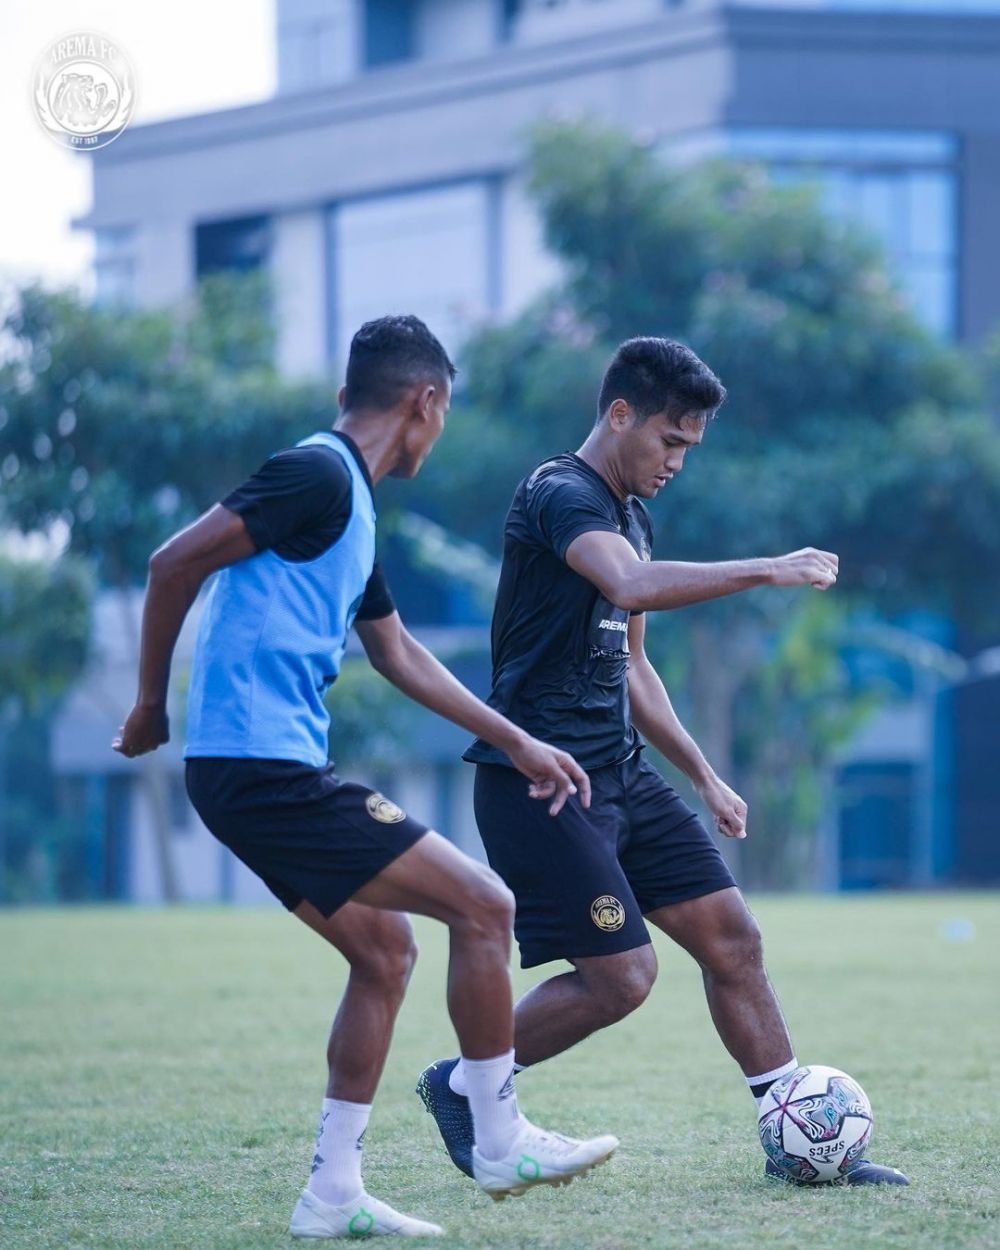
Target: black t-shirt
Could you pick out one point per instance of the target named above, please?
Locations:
(298, 504)
(560, 649)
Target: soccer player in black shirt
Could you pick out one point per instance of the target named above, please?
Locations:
(569, 666)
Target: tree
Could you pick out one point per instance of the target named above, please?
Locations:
(847, 427)
(44, 634)
(44, 628)
(117, 427)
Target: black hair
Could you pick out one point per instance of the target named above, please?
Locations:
(660, 375)
(388, 356)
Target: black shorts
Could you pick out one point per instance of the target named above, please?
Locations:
(584, 879)
(305, 833)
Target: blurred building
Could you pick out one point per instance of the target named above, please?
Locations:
(386, 173)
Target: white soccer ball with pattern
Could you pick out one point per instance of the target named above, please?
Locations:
(815, 1123)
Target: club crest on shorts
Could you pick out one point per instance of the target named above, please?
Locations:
(383, 809)
(607, 913)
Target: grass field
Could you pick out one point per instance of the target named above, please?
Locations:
(161, 1071)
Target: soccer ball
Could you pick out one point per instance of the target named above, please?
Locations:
(814, 1124)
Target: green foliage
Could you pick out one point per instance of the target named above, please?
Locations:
(124, 425)
(801, 695)
(371, 722)
(44, 628)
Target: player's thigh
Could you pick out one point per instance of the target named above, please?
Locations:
(435, 879)
(573, 899)
(717, 928)
(668, 855)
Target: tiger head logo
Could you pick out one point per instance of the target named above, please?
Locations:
(80, 102)
(383, 810)
(607, 913)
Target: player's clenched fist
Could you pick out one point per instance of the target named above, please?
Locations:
(808, 567)
(145, 729)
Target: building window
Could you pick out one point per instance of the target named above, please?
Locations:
(902, 186)
(430, 252)
(388, 32)
(242, 243)
(114, 265)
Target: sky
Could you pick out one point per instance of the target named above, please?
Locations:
(188, 57)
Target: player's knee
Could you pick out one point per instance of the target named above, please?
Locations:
(488, 910)
(625, 988)
(737, 950)
(389, 963)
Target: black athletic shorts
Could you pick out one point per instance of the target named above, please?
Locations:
(304, 832)
(584, 879)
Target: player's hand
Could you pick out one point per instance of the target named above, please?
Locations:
(145, 729)
(726, 806)
(807, 567)
(553, 774)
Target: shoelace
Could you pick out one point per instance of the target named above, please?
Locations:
(556, 1142)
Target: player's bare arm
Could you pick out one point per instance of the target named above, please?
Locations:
(611, 563)
(654, 716)
(177, 571)
(405, 662)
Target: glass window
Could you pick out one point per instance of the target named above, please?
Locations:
(901, 186)
(114, 265)
(388, 31)
(242, 243)
(424, 252)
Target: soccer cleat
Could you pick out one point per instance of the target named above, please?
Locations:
(860, 1173)
(365, 1216)
(450, 1111)
(539, 1158)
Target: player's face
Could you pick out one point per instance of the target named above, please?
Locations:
(653, 450)
(424, 427)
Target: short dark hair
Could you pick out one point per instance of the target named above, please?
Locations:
(660, 375)
(387, 357)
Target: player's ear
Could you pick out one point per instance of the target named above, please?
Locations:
(340, 396)
(424, 401)
(618, 414)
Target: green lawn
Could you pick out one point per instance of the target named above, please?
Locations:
(161, 1071)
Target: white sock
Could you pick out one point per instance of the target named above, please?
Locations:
(493, 1103)
(336, 1166)
(759, 1085)
(458, 1084)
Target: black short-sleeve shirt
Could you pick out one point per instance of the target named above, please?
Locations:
(298, 504)
(560, 648)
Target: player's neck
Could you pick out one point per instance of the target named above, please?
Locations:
(378, 441)
(595, 453)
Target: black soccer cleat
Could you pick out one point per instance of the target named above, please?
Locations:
(451, 1112)
(860, 1173)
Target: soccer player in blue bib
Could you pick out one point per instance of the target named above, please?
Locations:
(293, 551)
(569, 666)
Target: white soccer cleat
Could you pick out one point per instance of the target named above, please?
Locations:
(539, 1158)
(365, 1216)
